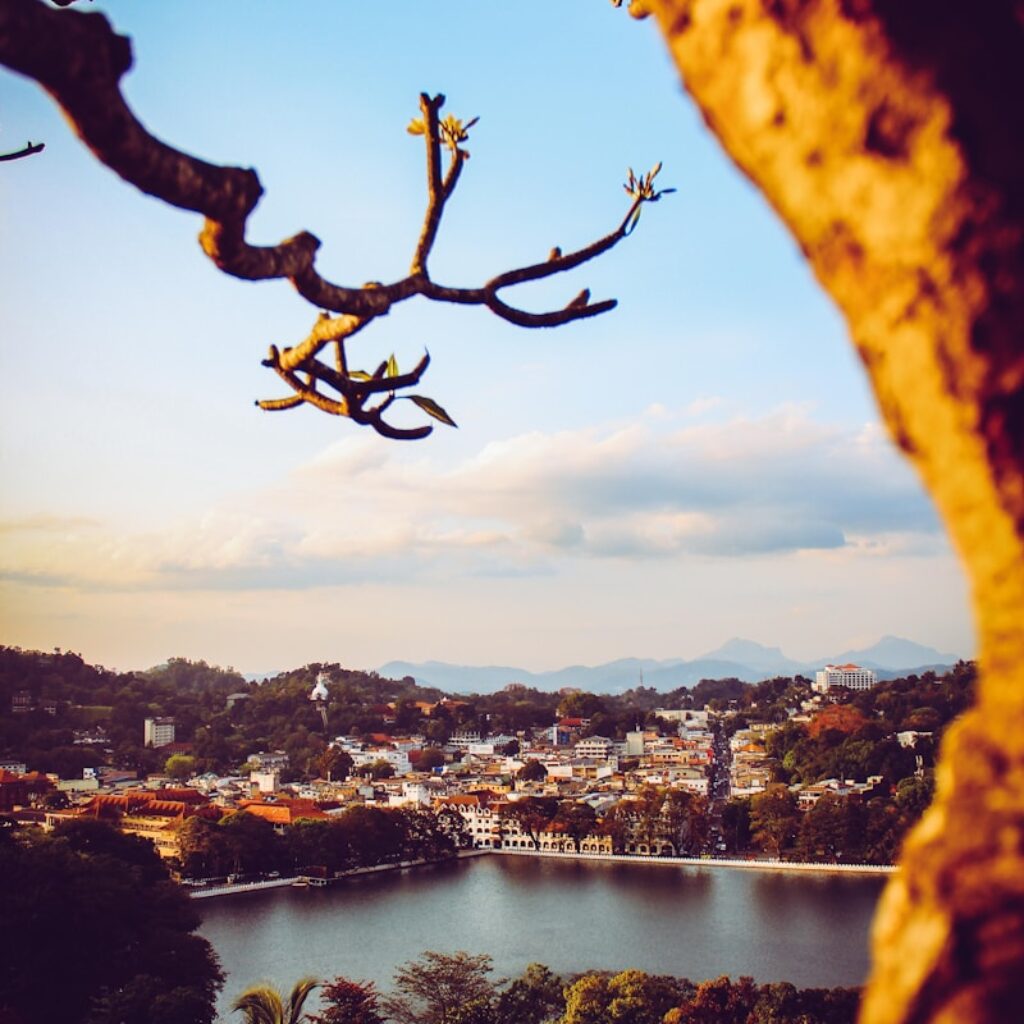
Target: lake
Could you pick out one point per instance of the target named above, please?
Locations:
(810, 929)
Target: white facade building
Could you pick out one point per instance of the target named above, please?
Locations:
(853, 677)
(158, 732)
(398, 759)
(599, 747)
(634, 744)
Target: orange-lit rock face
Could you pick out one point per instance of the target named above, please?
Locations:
(889, 136)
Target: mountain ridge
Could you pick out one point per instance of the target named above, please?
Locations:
(743, 659)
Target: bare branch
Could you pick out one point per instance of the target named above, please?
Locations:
(79, 59)
(29, 150)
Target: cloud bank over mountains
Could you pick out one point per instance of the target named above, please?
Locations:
(530, 505)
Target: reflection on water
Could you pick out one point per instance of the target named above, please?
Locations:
(687, 921)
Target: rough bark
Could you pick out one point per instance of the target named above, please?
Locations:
(887, 135)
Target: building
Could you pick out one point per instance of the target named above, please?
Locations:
(853, 677)
(156, 816)
(599, 747)
(158, 732)
(22, 703)
(634, 743)
(268, 760)
(481, 814)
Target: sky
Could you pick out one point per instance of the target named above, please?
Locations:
(703, 462)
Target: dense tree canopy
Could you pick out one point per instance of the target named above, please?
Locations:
(94, 911)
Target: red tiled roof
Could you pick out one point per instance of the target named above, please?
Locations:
(182, 794)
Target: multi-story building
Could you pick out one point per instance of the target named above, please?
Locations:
(158, 732)
(481, 814)
(599, 747)
(853, 677)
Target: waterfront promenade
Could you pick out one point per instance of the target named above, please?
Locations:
(709, 862)
(630, 858)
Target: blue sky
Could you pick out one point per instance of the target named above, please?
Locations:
(705, 461)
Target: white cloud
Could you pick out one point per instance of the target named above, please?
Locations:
(362, 509)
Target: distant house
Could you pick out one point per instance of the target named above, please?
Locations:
(268, 760)
(283, 811)
(22, 703)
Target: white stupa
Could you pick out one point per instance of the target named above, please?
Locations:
(319, 697)
(320, 690)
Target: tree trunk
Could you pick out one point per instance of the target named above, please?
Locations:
(888, 136)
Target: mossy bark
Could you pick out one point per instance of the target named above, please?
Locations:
(888, 136)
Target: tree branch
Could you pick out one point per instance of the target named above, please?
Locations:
(29, 150)
(79, 59)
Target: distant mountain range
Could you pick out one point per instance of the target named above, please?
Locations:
(743, 659)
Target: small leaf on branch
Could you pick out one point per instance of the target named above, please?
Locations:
(431, 408)
(416, 126)
(392, 370)
(359, 375)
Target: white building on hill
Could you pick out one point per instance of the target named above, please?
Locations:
(853, 677)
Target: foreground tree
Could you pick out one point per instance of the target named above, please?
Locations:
(441, 988)
(630, 997)
(882, 133)
(264, 1004)
(533, 998)
(349, 1002)
(99, 904)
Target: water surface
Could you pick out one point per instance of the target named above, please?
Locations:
(693, 922)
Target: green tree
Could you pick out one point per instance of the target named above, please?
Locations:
(913, 794)
(203, 848)
(736, 823)
(774, 819)
(686, 820)
(264, 1004)
(380, 769)
(102, 906)
(533, 815)
(251, 844)
(430, 759)
(647, 815)
(720, 1001)
(532, 771)
(833, 829)
(441, 988)
(334, 764)
(453, 825)
(180, 767)
(630, 997)
(617, 825)
(578, 704)
(578, 820)
(533, 998)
